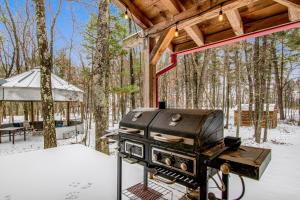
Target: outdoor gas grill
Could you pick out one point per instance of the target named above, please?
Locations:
(186, 147)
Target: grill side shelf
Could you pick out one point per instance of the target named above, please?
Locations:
(249, 162)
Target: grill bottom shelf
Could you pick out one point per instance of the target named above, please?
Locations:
(152, 192)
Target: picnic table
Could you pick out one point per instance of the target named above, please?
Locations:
(12, 131)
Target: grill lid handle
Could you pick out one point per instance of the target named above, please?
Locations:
(176, 117)
(169, 139)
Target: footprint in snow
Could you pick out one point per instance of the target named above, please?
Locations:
(7, 197)
(88, 185)
(74, 184)
(72, 195)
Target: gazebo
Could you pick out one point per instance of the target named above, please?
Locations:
(25, 87)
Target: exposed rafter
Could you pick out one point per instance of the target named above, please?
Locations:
(248, 28)
(289, 3)
(294, 14)
(161, 45)
(235, 21)
(194, 16)
(137, 15)
(195, 33)
(293, 8)
(175, 7)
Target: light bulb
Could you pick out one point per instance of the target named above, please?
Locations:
(126, 15)
(176, 33)
(221, 17)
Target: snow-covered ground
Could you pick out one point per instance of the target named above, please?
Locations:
(281, 180)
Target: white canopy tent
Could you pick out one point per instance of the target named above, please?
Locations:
(26, 87)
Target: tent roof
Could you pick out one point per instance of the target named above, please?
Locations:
(31, 79)
(26, 87)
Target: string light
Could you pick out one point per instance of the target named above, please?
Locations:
(221, 17)
(126, 14)
(176, 31)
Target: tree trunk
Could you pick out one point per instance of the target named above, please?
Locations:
(45, 64)
(202, 76)
(186, 78)
(257, 95)
(122, 98)
(238, 92)
(213, 78)
(267, 117)
(131, 67)
(250, 82)
(101, 65)
(277, 80)
(227, 69)
(195, 64)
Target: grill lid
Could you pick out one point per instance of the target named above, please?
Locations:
(188, 123)
(139, 118)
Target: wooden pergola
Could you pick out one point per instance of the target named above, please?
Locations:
(199, 26)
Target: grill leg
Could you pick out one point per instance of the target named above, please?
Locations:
(145, 177)
(119, 177)
(225, 179)
(203, 182)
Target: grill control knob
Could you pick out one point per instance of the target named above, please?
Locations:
(168, 161)
(183, 166)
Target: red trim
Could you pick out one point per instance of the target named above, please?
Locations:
(259, 33)
(163, 71)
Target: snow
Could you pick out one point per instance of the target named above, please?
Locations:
(78, 172)
(67, 172)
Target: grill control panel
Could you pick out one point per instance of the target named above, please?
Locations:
(179, 162)
(134, 149)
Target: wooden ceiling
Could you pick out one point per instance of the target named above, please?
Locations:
(197, 20)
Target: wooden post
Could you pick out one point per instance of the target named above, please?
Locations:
(81, 112)
(149, 74)
(152, 54)
(31, 112)
(68, 113)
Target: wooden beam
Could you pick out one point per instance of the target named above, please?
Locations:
(68, 113)
(149, 74)
(248, 28)
(31, 112)
(198, 14)
(289, 3)
(293, 8)
(172, 5)
(294, 14)
(161, 45)
(133, 40)
(235, 21)
(138, 17)
(196, 34)
(81, 112)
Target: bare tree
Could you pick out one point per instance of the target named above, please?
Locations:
(45, 64)
(100, 75)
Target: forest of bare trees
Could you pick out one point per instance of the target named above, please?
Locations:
(256, 72)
